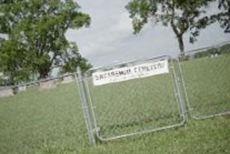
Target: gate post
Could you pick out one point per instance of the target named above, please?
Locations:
(85, 106)
(182, 91)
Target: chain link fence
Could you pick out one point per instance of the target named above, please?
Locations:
(136, 106)
(44, 116)
(206, 81)
(57, 113)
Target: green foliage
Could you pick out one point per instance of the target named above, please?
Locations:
(207, 53)
(140, 11)
(181, 15)
(40, 27)
(224, 16)
(14, 69)
(75, 60)
(225, 49)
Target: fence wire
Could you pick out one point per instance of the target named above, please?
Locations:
(52, 116)
(206, 81)
(46, 117)
(136, 106)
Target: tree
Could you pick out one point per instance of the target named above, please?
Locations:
(181, 15)
(15, 69)
(37, 28)
(70, 63)
(224, 16)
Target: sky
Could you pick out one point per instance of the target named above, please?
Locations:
(110, 40)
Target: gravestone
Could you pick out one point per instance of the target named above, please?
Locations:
(67, 79)
(6, 92)
(22, 88)
(46, 85)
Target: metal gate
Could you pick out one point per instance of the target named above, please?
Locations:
(206, 81)
(136, 106)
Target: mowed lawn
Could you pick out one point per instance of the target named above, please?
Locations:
(52, 121)
(42, 121)
(207, 81)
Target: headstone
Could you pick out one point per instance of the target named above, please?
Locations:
(46, 85)
(21, 88)
(6, 92)
(67, 79)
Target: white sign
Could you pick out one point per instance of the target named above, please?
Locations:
(132, 72)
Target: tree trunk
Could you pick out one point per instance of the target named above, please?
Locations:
(181, 45)
(44, 69)
(13, 83)
(179, 36)
(43, 72)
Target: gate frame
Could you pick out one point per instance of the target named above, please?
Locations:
(89, 112)
(185, 90)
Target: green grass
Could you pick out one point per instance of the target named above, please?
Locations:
(42, 121)
(52, 121)
(208, 84)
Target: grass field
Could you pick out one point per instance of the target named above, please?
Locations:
(52, 121)
(207, 81)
